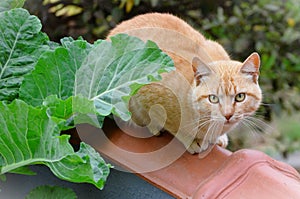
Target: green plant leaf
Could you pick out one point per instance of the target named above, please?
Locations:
(29, 136)
(21, 44)
(106, 72)
(114, 70)
(51, 192)
(74, 110)
(54, 73)
(25, 170)
(86, 165)
(10, 4)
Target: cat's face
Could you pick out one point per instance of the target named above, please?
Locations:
(227, 91)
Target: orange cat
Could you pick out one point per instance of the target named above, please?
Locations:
(205, 97)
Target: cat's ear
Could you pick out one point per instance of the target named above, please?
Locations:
(251, 66)
(200, 69)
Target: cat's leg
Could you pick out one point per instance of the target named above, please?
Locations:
(155, 128)
(199, 145)
(152, 120)
(222, 141)
(195, 147)
(148, 108)
(158, 119)
(192, 144)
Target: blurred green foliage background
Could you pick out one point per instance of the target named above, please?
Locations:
(270, 27)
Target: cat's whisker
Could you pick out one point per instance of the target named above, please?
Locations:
(252, 129)
(256, 126)
(260, 124)
(202, 119)
(215, 131)
(196, 123)
(256, 129)
(265, 104)
(196, 127)
(214, 124)
(207, 137)
(258, 115)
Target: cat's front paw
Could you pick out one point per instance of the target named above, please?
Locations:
(222, 141)
(197, 146)
(194, 148)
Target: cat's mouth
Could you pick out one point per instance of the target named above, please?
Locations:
(233, 121)
(230, 122)
(228, 125)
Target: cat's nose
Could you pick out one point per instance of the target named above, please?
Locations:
(228, 117)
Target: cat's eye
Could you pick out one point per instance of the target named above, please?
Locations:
(213, 99)
(240, 97)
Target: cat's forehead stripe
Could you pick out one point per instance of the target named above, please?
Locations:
(227, 86)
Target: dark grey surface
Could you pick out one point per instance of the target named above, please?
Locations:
(120, 185)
